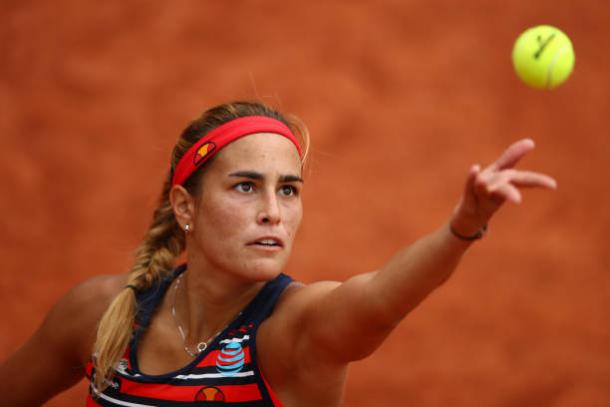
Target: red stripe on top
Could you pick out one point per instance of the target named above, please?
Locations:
(159, 391)
(233, 393)
(246, 392)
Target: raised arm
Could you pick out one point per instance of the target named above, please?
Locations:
(53, 359)
(348, 321)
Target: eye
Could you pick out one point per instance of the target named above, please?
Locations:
(289, 190)
(245, 187)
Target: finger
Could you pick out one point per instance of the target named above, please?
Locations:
(523, 179)
(495, 187)
(506, 192)
(484, 179)
(497, 179)
(472, 175)
(511, 156)
(528, 179)
(469, 199)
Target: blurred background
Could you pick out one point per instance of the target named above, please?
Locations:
(401, 97)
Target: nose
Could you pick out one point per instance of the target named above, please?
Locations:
(269, 212)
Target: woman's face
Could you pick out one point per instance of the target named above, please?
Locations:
(249, 208)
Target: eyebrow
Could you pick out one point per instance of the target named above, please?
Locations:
(260, 177)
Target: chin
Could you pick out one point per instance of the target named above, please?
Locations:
(265, 270)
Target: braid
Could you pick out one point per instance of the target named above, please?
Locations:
(154, 260)
(164, 242)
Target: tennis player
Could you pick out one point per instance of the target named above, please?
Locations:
(226, 325)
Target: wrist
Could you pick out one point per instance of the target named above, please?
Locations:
(467, 230)
(478, 234)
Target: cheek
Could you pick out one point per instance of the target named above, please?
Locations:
(221, 220)
(293, 218)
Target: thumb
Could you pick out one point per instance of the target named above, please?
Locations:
(468, 203)
(470, 181)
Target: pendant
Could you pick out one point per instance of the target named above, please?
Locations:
(201, 346)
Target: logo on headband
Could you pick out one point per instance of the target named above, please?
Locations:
(202, 152)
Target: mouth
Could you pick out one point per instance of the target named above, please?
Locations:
(268, 242)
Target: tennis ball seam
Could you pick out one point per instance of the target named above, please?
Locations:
(549, 72)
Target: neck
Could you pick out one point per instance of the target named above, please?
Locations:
(207, 300)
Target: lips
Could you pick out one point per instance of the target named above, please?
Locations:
(267, 241)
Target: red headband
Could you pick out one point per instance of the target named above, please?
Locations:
(216, 139)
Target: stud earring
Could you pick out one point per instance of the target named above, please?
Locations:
(187, 228)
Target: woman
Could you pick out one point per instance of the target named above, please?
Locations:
(212, 328)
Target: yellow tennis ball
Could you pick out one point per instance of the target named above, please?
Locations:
(543, 57)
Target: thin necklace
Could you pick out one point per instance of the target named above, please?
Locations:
(201, 346)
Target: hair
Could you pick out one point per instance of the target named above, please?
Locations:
(156, 256)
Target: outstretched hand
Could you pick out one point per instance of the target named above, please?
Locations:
(487, 189)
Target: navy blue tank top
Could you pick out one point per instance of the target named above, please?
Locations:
(226, 373)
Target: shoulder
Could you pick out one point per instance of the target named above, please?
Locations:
(92, 296)
(96, 291)
(291, 313)
(298, 297)
(308, 316)
(72, 322)
(297, 374)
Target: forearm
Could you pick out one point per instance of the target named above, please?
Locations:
(415, 272)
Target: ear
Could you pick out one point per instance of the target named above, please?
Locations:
(183, 205)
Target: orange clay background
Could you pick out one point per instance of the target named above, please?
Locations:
(401, 97)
